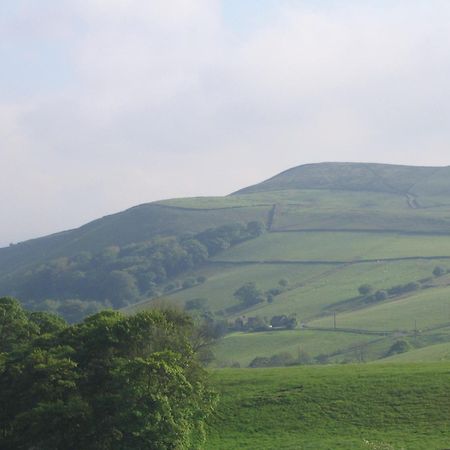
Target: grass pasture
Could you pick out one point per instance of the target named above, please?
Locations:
(243, 347)
(430, 353)
(349, 407)
(426, 308)
(337, 246)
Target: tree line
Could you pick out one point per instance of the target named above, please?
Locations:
(117, 276)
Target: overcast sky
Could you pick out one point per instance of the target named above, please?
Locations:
(105, 104)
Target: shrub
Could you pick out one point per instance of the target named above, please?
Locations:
(439, 271)
(259, 361)
(381, 295)
(365, 289)
(400, 346)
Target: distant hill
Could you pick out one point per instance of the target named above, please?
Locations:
(427, 185)
(305, 240)
(393, 179)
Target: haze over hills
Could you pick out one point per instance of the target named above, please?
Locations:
(307, 239)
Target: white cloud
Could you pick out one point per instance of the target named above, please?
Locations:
(163, 100)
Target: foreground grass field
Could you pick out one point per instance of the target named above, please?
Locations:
(347, 407)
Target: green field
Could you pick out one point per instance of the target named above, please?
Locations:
(313, 288)
(332, 246)
(374, 224)
(345, 407)
(314, 292)
(243, 347)
(425, 309)
(431, 353)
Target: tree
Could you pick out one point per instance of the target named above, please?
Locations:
(439, 271)
(110, 382)
(248, 294)
(381, 295)
(256, 228)
(400, 346)
(259, 361)
(365, 289)
(15, 327)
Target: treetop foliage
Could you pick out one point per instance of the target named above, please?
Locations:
(109, 382)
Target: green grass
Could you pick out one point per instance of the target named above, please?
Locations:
(431, 353)
(427, 308)
(335, 246)
(243, 347)
(332, 407)
(324, 196)
(223, 280)
(320, 294)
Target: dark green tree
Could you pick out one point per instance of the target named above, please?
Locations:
(110, 382)
(365, 289)
(248, 294)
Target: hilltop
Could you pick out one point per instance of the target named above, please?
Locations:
(307, 239)
(394, 179)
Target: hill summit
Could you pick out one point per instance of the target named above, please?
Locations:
(359, 177)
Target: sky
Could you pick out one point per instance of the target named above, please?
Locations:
(106, 104)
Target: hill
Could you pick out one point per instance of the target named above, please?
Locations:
(306, 240)
(352, 407)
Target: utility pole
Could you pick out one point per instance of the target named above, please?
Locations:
(334, 319)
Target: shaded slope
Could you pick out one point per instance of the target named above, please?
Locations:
(133, 225)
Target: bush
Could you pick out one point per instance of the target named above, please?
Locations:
(248, 294)
(380, 296)
(259, 361)
(365, 289)
(281, 359)
(439, 271)
(400, 346)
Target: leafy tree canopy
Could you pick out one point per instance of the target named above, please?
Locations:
(110, 382)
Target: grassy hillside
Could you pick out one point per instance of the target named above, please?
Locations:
(331, 228)
(424, 308)
(431, 353)
(337, 246)
(243, 347)
(352, 407)
(359, 177)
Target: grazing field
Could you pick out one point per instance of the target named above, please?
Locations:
(313, 289)
(324, 229)
(431, 353)
(337, 246)
(223, 280)
(243, 347)
(350, 407)
(425, 309)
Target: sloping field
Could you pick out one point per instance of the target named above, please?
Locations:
(352, 407)
(426, 308)
(337, 246)
(222, 280)
(431, 353)
(243, 347)
(313, 289)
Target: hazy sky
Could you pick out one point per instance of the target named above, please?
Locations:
(105, 104)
